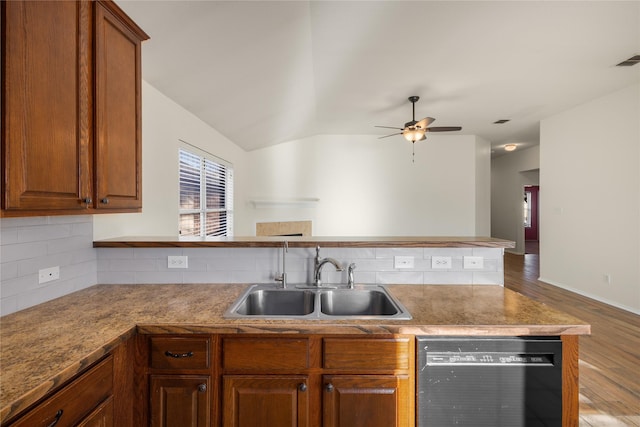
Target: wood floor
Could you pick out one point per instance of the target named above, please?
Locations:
(609, 357)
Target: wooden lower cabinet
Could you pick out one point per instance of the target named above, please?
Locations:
(80, 403)
(265, 400)
(279, 380)
(101, 417)
(366, 401)
(180, 400)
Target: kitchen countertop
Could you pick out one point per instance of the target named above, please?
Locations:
(46, 345)
(304, 242)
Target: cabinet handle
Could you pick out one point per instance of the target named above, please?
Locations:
(329, 387)
(104, 201)
(302, 387)
(56, 419)
(202, 388)
(178, 355)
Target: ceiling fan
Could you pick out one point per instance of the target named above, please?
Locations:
(416, 130)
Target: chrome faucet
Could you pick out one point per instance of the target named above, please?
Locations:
(319, 264)
(283, 276)
(350, 282)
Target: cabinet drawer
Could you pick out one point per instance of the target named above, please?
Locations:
(180, 353)
(259, 354)
(369, 354)
(75, 401)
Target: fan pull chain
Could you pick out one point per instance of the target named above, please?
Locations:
(413, 152)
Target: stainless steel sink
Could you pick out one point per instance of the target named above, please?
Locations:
(346, 302)
(363, 302)
(277, 302)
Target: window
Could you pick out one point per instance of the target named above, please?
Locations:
(206, 195)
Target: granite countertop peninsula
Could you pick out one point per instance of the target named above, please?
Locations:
(46, 345)
(304, 242)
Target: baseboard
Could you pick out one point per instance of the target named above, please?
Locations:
(588, 295)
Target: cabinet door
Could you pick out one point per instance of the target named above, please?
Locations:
(180, 400)
(46, 121)
(366, 401)
(118, 175)
(101, 417)
(265, 401)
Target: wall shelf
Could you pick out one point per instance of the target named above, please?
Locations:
(300, 202)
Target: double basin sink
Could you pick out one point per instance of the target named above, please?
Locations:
(361, 302)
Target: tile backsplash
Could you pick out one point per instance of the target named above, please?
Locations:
(28, 245)
(260, 265)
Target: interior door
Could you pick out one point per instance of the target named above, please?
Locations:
(531, 212)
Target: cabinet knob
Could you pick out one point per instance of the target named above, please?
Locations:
(202, 388)
(329, 387)
(57, 418)
(302, 387)
(104, 201)
(87, 200)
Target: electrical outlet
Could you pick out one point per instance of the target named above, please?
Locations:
(48, 274)
(178, 262)
(440, 262)
(473, 263)
(403, 262)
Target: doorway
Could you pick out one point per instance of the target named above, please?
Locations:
(531, 223)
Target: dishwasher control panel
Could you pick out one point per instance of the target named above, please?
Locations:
(494, 358)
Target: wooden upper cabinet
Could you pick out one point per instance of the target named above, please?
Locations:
(46, 98)
(118, 109)
(71, 106)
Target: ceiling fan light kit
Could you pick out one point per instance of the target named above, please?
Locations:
(413, 135)
(416, 130)
(510, 147)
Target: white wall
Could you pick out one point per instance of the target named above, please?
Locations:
(590, 199)
(164, 123)
(368, 186)
(483, 187)
(509, 174)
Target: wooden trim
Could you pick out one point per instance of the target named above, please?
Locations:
(124, 18)
(570, 387)
(303, 242)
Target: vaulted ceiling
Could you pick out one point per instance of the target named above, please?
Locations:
(266, 72)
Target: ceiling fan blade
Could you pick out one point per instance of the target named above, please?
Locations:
(387, 136)
(443, 129)
(388, 127)
(425, 122)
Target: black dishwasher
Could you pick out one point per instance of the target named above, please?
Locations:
(489, 381)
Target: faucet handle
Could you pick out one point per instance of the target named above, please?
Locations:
(352, 267)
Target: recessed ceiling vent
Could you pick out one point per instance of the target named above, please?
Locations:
(629, 62)
(501, 121)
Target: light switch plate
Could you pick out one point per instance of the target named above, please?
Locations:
(473, 263)
(48, 274)
(403, 262)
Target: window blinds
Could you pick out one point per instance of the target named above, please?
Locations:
(206, 196)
